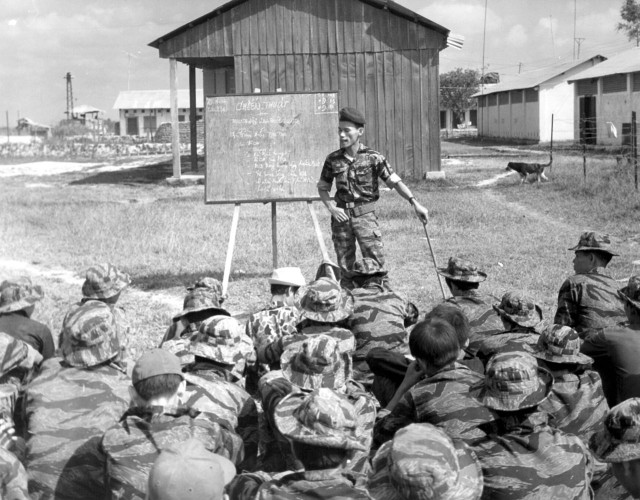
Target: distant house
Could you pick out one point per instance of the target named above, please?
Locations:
(605, 96)
(141, 112)
(521, 107)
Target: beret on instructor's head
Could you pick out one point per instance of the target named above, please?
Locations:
(352, 115)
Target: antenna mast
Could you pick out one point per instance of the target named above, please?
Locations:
(69, 112)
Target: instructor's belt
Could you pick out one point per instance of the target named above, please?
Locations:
(357, 208)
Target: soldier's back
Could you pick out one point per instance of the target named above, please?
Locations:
(66, 411)
(483, 320)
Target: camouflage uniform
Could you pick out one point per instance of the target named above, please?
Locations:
(268, 326)
(447, 399)
(15, 297)
(322, 418)
(132, 446)
(356, 191)
(13, 477)
(448, 469)
(66, 411)
(576, 401)
(522, 457)
(483, 320)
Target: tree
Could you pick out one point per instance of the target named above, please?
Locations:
(456, 89)
(630, 14)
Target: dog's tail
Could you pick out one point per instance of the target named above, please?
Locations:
(550, 160)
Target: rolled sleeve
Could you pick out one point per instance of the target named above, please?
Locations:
(392, 180)
(323, 185)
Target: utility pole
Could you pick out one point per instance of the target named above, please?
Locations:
(69, 111)
(578, 42)
(574, 28)
(519, 67)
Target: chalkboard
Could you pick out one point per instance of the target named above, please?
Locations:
(268, 147)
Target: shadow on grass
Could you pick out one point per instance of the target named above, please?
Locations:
(155, 173)
(161, 281)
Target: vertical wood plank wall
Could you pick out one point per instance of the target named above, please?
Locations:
(379, 62)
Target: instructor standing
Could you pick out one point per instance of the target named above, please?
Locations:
(356, 169)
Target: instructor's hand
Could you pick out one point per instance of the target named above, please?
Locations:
(421, 212)
(339, 214)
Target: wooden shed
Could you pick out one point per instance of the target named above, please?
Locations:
(378, 55)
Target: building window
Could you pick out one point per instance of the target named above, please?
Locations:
(614, 83)
(443, 119)
(587, 87)
(503, 98)
(516, 96)
(150, 125)
(180, 118)
(635, 81)
(531, 95)
(132, 126)
(492, 99)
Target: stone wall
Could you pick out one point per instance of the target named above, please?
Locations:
(163, 134)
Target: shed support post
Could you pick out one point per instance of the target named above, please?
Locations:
(175, 131)
(193, 128)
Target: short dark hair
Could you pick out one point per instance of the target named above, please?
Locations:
(411, 314)
(453, 315)
(605, 257)
(465, 286)
(435, 342)
(165, 385)
(319, 457)
(277, 289)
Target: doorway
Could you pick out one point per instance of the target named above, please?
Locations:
(588, 123)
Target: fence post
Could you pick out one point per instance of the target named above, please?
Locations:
(584, 162)
(634, 147)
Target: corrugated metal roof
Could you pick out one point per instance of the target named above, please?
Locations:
(391, 6)
(154, 99)
(531, 79)
(625, 62)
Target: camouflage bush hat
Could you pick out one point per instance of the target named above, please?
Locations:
(423, 463)
(288, 276)
(155, 362)
(222, 339)
(561, 344)
(462, 270)
(324, 300)
(16, 295)
(514, 381)
(520, 309)
(89, 335)
(365, 267)
(188, 471)
(103, 281)
(321, 418)
(210, 283)
(201, 299)
(317, 363)
(592, 241)
(619, 440)
(16, 354)
(631, 292)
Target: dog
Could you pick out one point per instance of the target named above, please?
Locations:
(526, 169)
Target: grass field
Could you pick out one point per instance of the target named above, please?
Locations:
(54, 227)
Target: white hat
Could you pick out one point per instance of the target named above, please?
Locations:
(290, 276)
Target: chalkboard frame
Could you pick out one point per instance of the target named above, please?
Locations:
(211, 147)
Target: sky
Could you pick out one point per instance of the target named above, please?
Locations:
(104, 44)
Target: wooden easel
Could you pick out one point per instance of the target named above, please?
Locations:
(274, 239)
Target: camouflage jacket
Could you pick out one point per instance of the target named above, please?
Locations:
(589, 301)
(66, 410)
(13, 477)
(268, 326)
(316, 485)
(483, 320)
(576, 403)
(513, 340)
(525, 458)
(227, 404)
(377, 321)
(356, 180)
(131, 446)
(447, 399)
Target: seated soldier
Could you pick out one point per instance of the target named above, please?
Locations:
(589, 299)
(13, 477)
(522, 456)
(17, 303)
(422, 461)
(280, 317)
(313, 362)
(617, 349)
(154, 421)
(188, 471)
(436, 388)
(215, 382)
(200, 303)
(463, 279)
(321, 428)
(618, 444)
(390, 369)
(380, 316)
(520, 316)
(104, 282)
(71, 402)
(576, 401)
